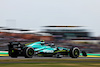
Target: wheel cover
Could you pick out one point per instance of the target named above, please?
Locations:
(12, 51)
(76, 52)
(30, 52)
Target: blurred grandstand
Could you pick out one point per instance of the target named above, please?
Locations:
(61, 37)
(67, 37)
(21, 35)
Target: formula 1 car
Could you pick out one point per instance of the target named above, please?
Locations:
(29, 50)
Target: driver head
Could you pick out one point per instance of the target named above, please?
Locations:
(42, 42)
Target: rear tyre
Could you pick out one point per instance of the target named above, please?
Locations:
(13, 54)
(74, 52)
(13, 49)
(28, 52)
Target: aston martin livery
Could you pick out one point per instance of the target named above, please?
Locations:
(42, 49)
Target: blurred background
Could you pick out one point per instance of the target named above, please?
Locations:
(64, 22)
(63, 36)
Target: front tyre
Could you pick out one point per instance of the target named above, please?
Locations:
(28, 52)
(74, 52)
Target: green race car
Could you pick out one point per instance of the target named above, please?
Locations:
(42, 49)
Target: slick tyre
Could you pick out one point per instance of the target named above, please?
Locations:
(13, 54)
(74, 52)
(28, 52)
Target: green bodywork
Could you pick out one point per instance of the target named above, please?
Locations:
(47, 50)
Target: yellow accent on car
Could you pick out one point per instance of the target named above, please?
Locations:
(29, 43)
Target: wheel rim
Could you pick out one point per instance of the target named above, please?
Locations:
(30, 52)
(76, 52)
(12, 51)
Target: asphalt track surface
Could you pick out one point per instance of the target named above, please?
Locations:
(7, 57)
(4, 55)
(7, 60)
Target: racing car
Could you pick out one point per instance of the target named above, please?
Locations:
(41, 48)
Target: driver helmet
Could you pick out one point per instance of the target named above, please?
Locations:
(42, 42)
